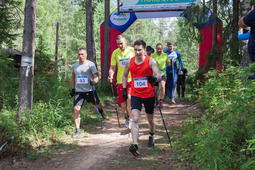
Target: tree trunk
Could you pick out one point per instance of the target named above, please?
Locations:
(234, 44)
(245, 7)
(67, 14)
(56, 49)
(27, 64)
(214, 39)
(106, 42)
(90, 44)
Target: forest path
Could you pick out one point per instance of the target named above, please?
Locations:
(108, 148)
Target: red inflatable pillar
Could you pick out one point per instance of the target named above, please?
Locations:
(206, 45)
(112, 44)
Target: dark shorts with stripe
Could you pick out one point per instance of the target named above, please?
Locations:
(80, 97)
(136, 103)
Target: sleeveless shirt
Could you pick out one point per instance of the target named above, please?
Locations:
(140, 86)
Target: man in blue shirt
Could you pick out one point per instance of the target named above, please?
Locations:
(249, 21)
(171, 71)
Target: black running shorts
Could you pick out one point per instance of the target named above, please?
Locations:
(80, 97)
(136, 103)
(163, 78)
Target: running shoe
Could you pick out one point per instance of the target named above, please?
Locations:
(173, 102)
(130, 123)
(133, 148)
(161, 104)
(103, 114)
(76, 134)
(126, 122)
(151, 142)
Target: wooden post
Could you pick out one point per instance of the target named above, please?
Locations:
(57, 35)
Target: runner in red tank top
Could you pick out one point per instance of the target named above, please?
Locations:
(140, 86)
(141, 68)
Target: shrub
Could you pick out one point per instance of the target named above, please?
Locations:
(224, 136)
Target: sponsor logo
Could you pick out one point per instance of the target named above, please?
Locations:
(120, 19)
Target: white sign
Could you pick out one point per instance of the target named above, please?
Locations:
(156, 4)
(27, 61)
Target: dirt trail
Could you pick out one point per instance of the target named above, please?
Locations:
(108, 148)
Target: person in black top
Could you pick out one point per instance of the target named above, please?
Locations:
(181, 81)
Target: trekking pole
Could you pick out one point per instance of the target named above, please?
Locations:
(97, 107)
(162, 117)
(173, 80)
(129, 130)
(1, 148)
(113, 96)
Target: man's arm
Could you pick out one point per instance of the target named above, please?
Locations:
(155, 69)
(125, 74)
(170, 62)
(95, 77)
(73, 81)
(186, 72)
(111, 73)
(241, 22)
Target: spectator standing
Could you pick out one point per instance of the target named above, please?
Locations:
(249, 21)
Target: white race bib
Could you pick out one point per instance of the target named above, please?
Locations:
(140, 82)
(123, 62)
(82, 80)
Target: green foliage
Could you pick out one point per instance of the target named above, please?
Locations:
(188, 46)
(144, 29)
(223, 137)
(9, 22)
(8, 75)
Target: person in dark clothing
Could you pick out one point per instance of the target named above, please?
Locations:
(249, 21)
(181, 81)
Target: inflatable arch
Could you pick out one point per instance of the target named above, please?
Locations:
(119, 23)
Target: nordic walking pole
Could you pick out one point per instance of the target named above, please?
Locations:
(173, 80)
(96, 106)
(129, 121)
(162, 117)
(115, 104)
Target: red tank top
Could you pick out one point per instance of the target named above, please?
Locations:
(140, 86)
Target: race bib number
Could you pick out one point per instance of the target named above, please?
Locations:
(82, 80)
(140, 82)
(161, 72)
(123, 62)
(180, 72)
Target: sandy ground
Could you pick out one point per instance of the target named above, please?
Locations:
(108, 148)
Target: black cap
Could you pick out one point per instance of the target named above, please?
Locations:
(170, 43)
(149, 48)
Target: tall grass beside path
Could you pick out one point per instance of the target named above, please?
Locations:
(224, 136)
